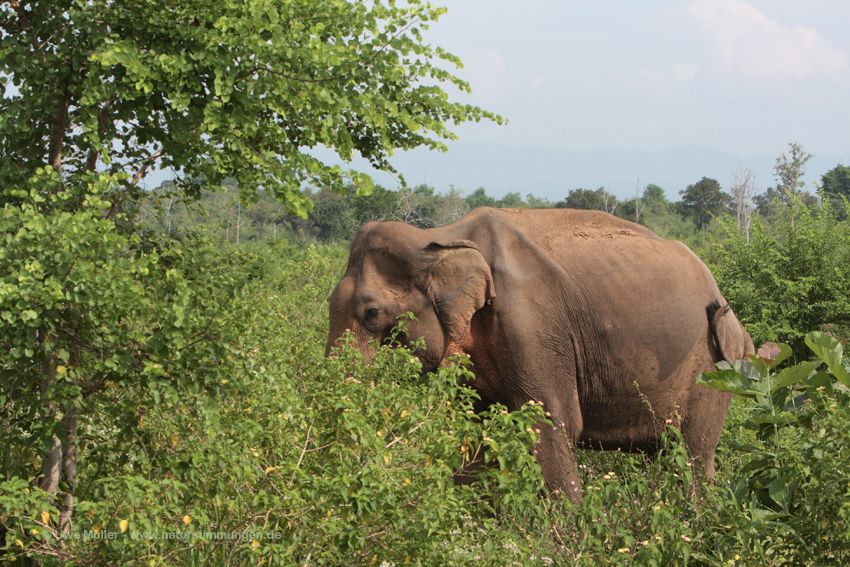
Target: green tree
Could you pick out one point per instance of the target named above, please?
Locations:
(105, 91)
(789, 171)
(538, 202)
(512, 201)
(655, 199)
(836, 188)
(334, 217)
(583, 199)
(451, 207)
(480, 198)
(376, 206)
(790, 283)
(836, 181)
(218, 89)
(264, 214)
(702, 201)
(767, 202)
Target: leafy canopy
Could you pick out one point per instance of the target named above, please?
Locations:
(703, 200)
(212, 89)
(836, 181)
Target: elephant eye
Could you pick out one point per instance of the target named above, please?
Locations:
(370, 314)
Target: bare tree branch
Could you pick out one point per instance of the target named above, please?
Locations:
(743, 189)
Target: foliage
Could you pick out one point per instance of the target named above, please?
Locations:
(836, 181)
(598, 199)
(511, 201)
(654, 198)
(637, 511)
(767, 203)
(835, 185)
(288, 455)
(373, 207)
(479, 198)
(787, 285)
(334, 219)
(702, 201)
(792, 495)
(789, 171)
(221, 90)
(302, 459)
(116, 336)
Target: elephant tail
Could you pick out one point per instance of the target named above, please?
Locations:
(729, 334)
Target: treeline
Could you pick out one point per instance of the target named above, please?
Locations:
(337, 217)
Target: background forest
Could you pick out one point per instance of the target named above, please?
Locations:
(164, 395)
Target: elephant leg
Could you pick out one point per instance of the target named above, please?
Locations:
(556, 449)
(703, 424)
(468, 474)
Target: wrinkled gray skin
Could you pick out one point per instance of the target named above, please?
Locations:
(597, 317)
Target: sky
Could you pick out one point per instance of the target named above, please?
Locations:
(745, 77)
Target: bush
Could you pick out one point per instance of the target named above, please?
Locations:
(790, 503)
(287, 457)
(785, 286)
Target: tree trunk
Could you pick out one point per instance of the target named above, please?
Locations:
(57, 133)
(51, 468)
(69, 468)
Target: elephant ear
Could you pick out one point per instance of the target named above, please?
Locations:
(459, 284)
(731, 338)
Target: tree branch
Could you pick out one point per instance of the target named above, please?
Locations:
(57, 132)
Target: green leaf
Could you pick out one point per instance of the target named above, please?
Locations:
(779, 492)
(728, 381)
(829, 349)
(794, 374)
(820, 342)
(739, 491)
(781, 418)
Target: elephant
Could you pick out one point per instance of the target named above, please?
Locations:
(600, 319)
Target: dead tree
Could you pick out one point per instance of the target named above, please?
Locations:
(409, 211)
(638, 207)
(613, 205)
(743, 189)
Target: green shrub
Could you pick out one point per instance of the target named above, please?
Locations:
(294, 457)
(789, 284)
(790, 503)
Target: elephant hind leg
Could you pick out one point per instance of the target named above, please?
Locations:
(703, 424)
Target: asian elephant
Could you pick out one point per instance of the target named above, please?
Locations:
(599, 318)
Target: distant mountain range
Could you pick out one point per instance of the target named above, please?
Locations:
(552, 173)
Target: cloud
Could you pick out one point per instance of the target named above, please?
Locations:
(761, 47)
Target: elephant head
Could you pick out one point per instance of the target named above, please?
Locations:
(394, 269)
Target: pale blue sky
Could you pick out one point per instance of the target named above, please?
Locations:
(745, 77)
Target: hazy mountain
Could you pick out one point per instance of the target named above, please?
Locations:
(551, 173)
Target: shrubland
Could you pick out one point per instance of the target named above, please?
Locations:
(216, 432)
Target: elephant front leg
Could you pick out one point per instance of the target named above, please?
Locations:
(556, 447)
(556, 456)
